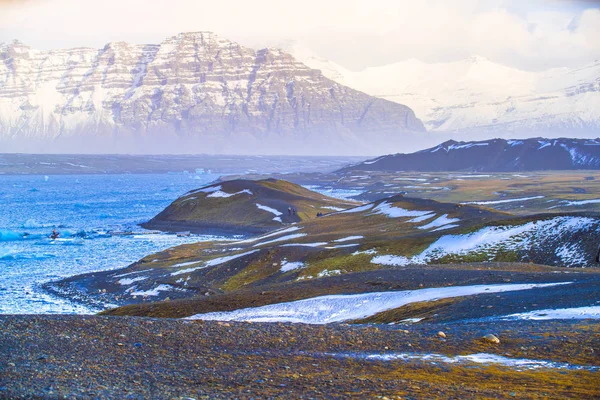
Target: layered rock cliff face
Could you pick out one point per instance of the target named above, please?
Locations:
(193, 93)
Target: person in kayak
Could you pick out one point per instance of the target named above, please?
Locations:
(55, 234)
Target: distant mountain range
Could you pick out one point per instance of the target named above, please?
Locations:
(497, 155)
(479, 97)
(193, 93)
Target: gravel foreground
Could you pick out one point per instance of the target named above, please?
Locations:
(144, 358)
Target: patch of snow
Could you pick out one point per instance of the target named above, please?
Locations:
(316, 244)
(132, 273)
(396, 212)
(269, 209)
(443, 228)
(129, 281)
(341, 246)
(366, 207)
(465, 146)
(338, 308)
(326, 273)
(422, 218)
(278, 219)
(504, 201)
(592, 312)
(580, 202)
(334, 208)
(348, 238)
(209, 189)
(279, 232)
(370, 251)
(290, 266)
(153, 292)
(412, 320)
(397, 261)
(221, 260)
(440, 221)
(222, 194)
(478, 358)
(281, 239)
(210, 263)
(185, 264)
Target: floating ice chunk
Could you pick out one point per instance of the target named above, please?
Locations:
(337, 308)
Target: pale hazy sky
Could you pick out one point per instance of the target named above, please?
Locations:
(530, 34)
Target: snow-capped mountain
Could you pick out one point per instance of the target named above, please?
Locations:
(193, 93)
(497, 155)
(476, 95)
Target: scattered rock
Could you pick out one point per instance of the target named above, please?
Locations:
(489, 338)
(441, 334)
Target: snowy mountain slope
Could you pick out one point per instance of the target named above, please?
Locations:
(493, 155)
(194, 92)
(478, 95)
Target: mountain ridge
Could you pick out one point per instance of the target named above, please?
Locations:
(477, 96)
(194, 92)
(496, 155)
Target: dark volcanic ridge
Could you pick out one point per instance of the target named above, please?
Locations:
(244, 207)
(497, 155)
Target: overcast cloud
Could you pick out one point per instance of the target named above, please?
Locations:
(354, 33)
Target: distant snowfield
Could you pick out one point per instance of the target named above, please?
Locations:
(476, 93)
(338, 308)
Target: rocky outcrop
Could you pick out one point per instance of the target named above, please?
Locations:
(193, 93)
(496, 155)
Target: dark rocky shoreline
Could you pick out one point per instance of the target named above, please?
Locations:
(109, 357)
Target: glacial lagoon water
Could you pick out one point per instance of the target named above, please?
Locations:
(83, 209)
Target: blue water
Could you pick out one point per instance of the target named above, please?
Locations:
(83, 208)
